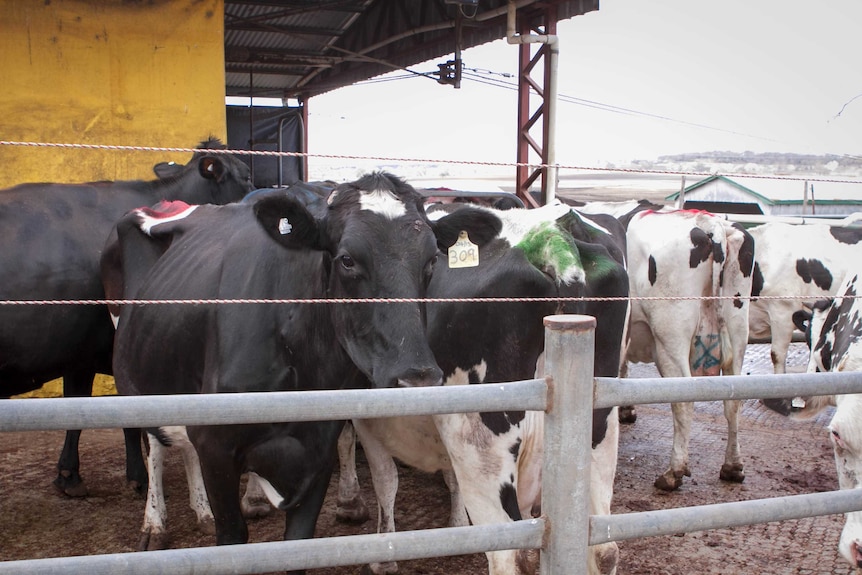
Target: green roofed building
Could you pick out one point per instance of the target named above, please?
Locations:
(772, 197)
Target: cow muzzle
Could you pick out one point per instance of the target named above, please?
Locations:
(420, 377)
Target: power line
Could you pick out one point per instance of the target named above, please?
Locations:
(613, 109)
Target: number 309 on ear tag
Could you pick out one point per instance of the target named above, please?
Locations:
(464, 254)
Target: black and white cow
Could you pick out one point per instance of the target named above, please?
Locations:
(802, 262)
(497, 457)
(53, 236)
(834, 331)
(373, 241)
(623, 211)
(678, 257)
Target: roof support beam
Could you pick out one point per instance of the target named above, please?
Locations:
(544, 115)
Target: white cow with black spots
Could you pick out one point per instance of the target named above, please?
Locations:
(796, 264)
(834, 331)
(690, 278)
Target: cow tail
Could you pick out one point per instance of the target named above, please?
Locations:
(706, 351)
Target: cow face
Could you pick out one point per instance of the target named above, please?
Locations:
(380, 245)
(845, 431)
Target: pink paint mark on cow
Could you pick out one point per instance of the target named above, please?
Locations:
(163, 212)
(165, 209)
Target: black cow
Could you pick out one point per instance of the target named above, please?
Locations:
(496, 457)
(53, 235)
(374, 240)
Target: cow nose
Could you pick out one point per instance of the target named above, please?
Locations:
(421, 377)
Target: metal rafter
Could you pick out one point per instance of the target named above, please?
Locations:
(528, 64)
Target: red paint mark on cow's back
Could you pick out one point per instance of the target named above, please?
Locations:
(164, 211)
(687, 212)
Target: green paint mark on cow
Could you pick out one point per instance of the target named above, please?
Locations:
(553, 250)
(595, 260)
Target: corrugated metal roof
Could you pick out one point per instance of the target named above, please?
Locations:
(301, 48)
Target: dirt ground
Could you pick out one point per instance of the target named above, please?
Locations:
(781, 458)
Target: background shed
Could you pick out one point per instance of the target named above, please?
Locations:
(772, 197)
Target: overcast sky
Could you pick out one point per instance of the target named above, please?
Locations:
(637, 79)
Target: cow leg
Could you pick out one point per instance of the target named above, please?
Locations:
(68, 478)
(672, 478)
(384, 476)
(221, 480)
(136, 469)
(732, 470)
(154, 534)
(301, 520)
(603, 558)
(627, 413)
(488, 497)
(350, 507)
(75, 384)
(457, 512)
(781, 339)
(198, 500)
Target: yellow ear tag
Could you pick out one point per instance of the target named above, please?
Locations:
(464, 254)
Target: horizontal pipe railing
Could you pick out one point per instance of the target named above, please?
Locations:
(294, 555)
(227, 408)
(611, 391)
(607, 528)
(567, 357)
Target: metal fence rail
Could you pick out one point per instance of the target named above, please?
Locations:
(563, 534)
(147, 411)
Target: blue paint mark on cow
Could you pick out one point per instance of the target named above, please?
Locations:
(704, 350)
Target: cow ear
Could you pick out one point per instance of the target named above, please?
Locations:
(288, 222)
(211, 168)
(481, 226)
(168, 170)
(802, 319)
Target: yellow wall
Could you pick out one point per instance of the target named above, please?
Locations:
(147, 73)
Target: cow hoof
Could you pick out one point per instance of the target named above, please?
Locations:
(733, 473)
(70, 484)
(138, 487)
(627, 414)
(379, 569)
(527, 561)
(207, 526)
(668, 482)
(352, 511)
(256, 509)
(153, 541)
(606, 557)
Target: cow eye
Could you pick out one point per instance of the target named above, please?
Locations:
(837, 441)
(347, 262)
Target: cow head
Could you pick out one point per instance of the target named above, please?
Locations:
(846, 435)
(379, 244)
(833, 330)
(208, 178)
